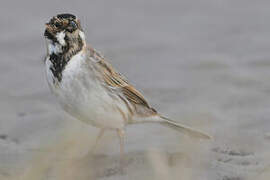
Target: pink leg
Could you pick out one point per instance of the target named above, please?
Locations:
(100, 134)
(121, 134)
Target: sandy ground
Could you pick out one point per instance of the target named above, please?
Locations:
(201, 62)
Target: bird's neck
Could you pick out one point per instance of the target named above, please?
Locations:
(60, 55)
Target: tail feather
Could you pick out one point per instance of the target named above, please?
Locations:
(185, 129)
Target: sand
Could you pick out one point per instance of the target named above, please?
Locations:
(203, 63)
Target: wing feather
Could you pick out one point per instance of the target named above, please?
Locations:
(116, 80)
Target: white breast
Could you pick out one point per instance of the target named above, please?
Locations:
(49, 74)
(82, 96)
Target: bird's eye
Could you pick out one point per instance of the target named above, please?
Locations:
(73, 25)
(57, 24)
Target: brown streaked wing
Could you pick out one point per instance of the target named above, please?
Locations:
(115, 79)
(134, 96)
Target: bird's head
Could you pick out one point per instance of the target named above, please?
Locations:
(64, 35)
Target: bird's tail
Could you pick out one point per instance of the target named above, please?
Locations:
(182, 128)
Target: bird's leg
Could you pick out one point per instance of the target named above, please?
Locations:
(100, 134)
(121, 134)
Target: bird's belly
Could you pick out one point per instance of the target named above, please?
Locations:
(87, 100)
(91, 105)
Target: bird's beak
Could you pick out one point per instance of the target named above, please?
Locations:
(47, 25)
(49, 32)
(49, 28)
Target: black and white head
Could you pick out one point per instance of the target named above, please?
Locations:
(65, 38)
(64, 35)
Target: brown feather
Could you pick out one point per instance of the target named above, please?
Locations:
(114, 79)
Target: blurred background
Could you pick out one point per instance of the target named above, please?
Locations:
(204, 63)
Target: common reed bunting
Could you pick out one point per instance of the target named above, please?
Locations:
(90, 89)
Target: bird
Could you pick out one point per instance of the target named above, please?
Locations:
(88, 87)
